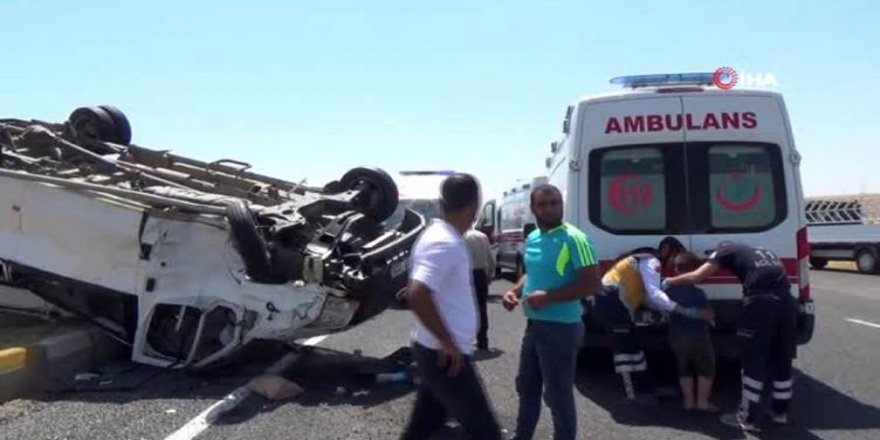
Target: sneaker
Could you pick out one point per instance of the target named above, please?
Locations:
(779, 419)
(735, 420)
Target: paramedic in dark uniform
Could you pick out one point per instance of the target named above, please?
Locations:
(631, 284)
(766, 328)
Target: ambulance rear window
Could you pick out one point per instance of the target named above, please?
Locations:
(633, 190)
(687, 188)
(745, 187)
(513, 211)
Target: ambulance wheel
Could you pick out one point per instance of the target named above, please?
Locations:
(520, 270)
(378, 198)
(248, 242)
(818, 263)
(866, 260)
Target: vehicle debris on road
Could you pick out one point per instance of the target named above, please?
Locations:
(275, 387)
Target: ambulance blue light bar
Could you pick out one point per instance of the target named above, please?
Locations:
(665, 79)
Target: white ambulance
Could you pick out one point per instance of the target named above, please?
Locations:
(671, 155)
(507, 221)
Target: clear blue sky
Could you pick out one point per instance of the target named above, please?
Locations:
(310, 89)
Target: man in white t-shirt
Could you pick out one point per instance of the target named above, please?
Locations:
(440, 294)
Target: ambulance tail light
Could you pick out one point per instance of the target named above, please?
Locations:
(803, 255)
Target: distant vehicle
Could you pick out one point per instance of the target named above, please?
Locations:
(507, 221)
(419, 191)
(844, 227)
(184, 261)
(671, 155)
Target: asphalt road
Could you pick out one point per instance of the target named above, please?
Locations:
(837, 391)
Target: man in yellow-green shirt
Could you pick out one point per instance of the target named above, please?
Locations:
(561, 270)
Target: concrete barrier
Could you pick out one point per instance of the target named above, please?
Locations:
(33, 369)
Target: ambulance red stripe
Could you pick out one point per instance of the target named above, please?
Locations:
(792, 267)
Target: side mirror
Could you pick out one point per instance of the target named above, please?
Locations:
(528, 228)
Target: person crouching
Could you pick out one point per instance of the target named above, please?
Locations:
(690, 340)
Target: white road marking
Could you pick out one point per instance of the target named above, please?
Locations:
(315, 340)
(195, 426)
(859, 321)
(201, 422)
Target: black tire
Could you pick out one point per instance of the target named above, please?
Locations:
(381, 197)
(818, 263)
(248, 241)
(866, 261)
(123, 127)
(93, 123)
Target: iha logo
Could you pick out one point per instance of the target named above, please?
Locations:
(725, 78)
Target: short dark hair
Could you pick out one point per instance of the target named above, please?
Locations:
(542, 188)
(687, 261)
(673, 244)
(458, 192)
